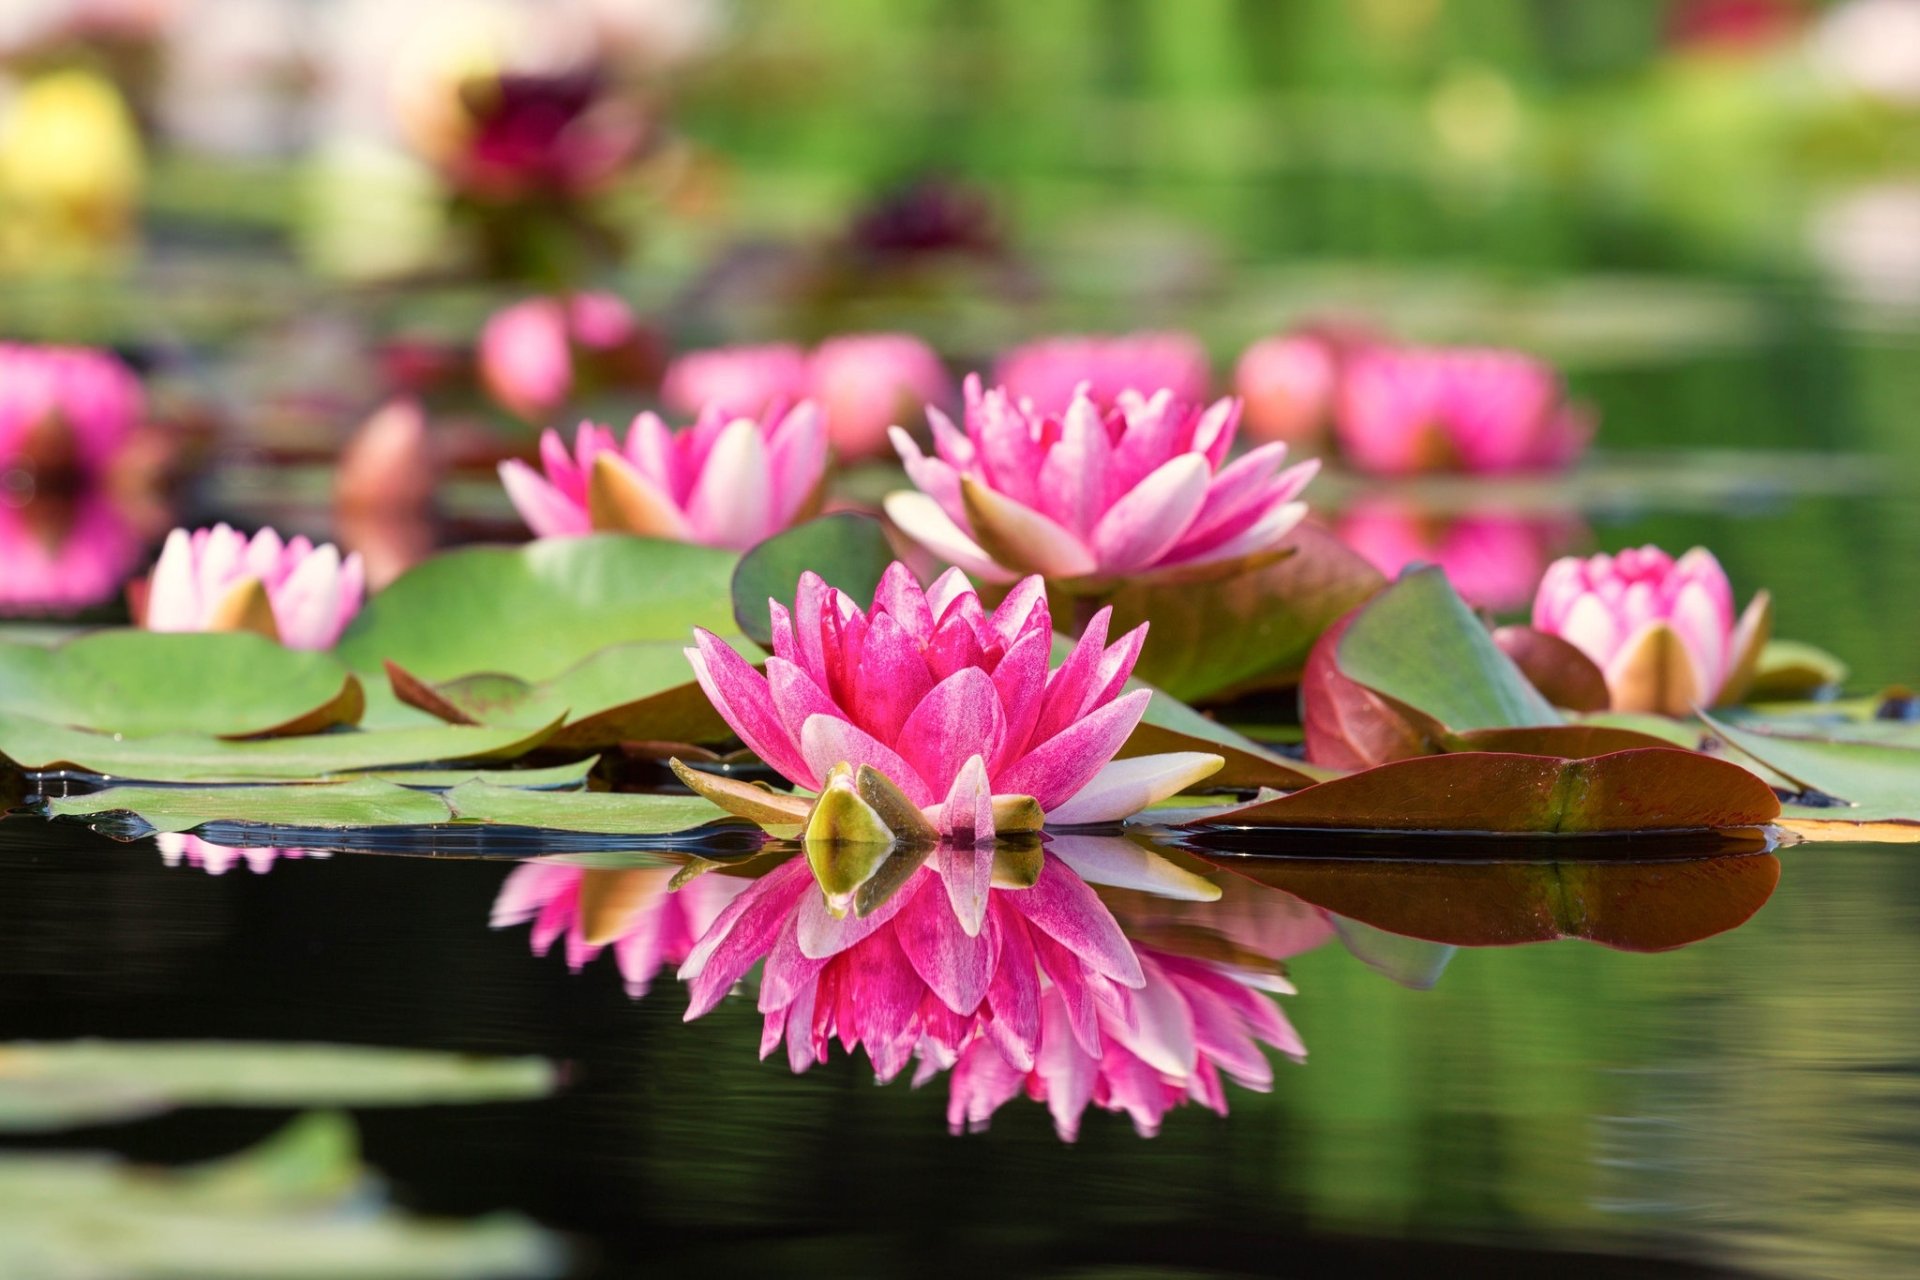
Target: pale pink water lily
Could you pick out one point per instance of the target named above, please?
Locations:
(1493, 558)
(177, 849)
(636, 912)
(725, 481)
(65, 407)
(1287, 383)
(954, 705)
(1092, 494)
(1051, 371)
(1189, 1027)
(746, 381)
(220, 580)
(1663, 631)
(866, 382)
(907, 979)
(532, 354)
(1407, 409)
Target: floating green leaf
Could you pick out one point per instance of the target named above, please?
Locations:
(1419, 644)
(232, 684)
(57, 1085)
(1642, 790)
(593, 812)
(847, 550)
(534, 611)
(363, 802)
(179, 757)
(1857, 790)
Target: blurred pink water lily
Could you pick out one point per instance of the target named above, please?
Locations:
(1287, 383)
(955, 707)
(65, 408)
(177, 849)
(863, 382)
(636, 912)
(1051, 371)
(1151, 1049)
(1408, 409)
(1493, 558)
(907, 979)
(1663, 631)
(531, 354)
(220, 580)
(66, 553)
(725, 481)
(1093, 494)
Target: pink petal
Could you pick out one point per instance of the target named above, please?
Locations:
(1072, 481)
(827, 740)
(959, 718)
(957, 966)
(742, 697)
(731, 502)
(545, 509)
(1124, 787)
(1053, 772)
(921, 519)
(891, 681)
(1062, 906)
(744, 932)
(1149, 519)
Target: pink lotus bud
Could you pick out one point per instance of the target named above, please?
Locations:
(1413, 409)
(869, 382)
(65, 408)
(1662, 631)
(747, 381)
(1287, 383)
(725, 481)
(219, 580)
(1092, 492)
(1050, 372)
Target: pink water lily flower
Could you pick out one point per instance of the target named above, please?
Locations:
(866, 382)
(65, 408)
(1169, 1042)
(60, 554)
(1051, 371)
(647, 923)
(177, 849)
(908, 979)
(1287, 382)
(1407, 409)
(1090, 493)
(746, 381)
(1663, 631)
(951, 703)
(530, 352)
(220, 580)
(725, 481)
(1493, 558)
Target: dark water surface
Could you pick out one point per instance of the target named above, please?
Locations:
(1749, 1104)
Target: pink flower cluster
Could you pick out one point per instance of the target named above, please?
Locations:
(88, 398)
(725, 481)
(863, 382)
(1085, 492)
(1050, 373)
(205, 578)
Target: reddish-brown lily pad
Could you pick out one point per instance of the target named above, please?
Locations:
(1564, 675)
(1638, 790)
(1630, 906)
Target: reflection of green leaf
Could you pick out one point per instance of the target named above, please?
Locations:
(179, 757)
(847, 550)
(300, 1204)
(1418, 643)
(144, 682)
(631, 692)
(359, 803)
(533, 611)
(1411, 962)
(52, 1086)
(595, 812)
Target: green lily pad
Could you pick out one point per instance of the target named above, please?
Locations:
(624, 693)
(180, 757)
(1854, 790)
(232, 684)
(301, 1204)
(554, 777)
(55, 1086)
(1791, 669)
(591, 812)
(534, 611)
(848, 550)
(362, 802)
(1642, 790)
(1251, 629)
(1419, 644)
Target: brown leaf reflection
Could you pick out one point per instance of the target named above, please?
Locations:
(1648, 904)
